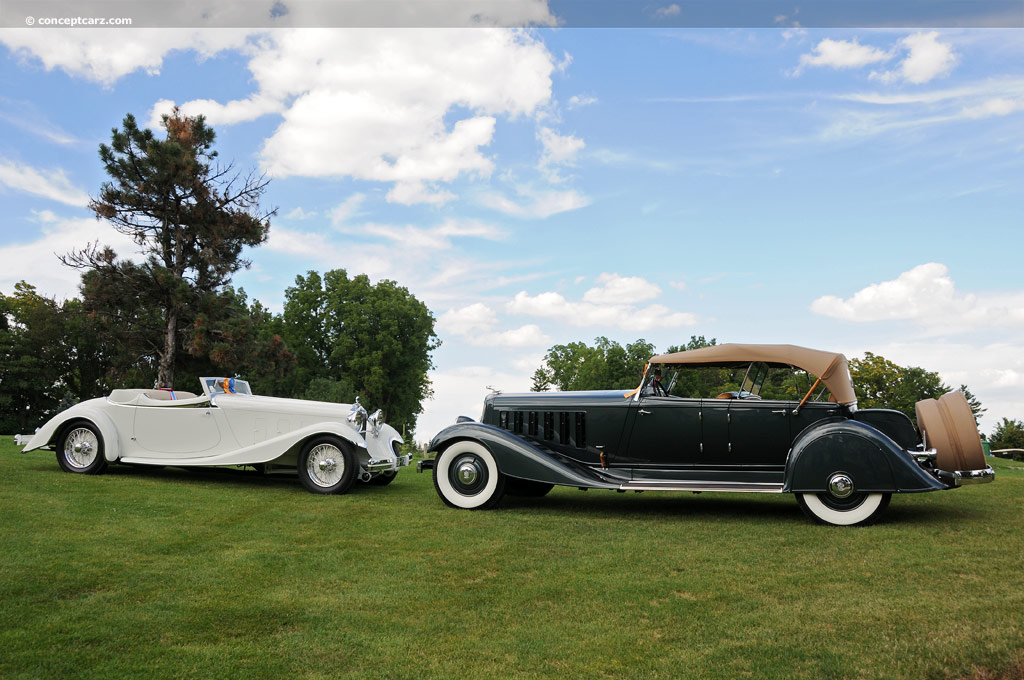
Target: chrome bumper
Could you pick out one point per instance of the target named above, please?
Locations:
(961, 477)
(22, 439)
(386, 465)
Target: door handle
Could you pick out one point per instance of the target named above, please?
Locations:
(783, 411)
(644, 413)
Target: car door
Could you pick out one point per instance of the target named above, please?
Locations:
(759, 432)
(177, 431)
(665, 433)
(744, 433)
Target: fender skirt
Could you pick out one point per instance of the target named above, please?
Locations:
(874, 462)
(523, 458)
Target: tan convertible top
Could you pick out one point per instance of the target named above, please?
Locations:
(829, 366)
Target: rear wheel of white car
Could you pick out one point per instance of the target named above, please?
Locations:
(467, 476)
(327, 465)
(857, 509)
(80, 449)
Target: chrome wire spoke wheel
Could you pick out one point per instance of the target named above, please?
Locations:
(81, 448)
(325, 465)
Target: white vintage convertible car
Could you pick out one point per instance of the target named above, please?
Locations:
(330, 445)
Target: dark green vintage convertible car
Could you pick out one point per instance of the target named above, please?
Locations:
(842, 463)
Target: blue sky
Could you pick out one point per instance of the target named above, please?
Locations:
(846, 189)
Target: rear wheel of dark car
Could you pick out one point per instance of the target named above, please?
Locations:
(466, 476)
(856, 509)
(80, 449)
(327, 465)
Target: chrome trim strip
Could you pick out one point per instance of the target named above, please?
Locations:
(733, 487)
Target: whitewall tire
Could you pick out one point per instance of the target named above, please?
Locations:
(857, 510)
(466, 476)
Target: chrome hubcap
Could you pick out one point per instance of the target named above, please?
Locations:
(81, 447)
(468, 473)
(840, 485)
(325, 465)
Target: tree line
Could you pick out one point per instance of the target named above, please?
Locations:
(173, 316)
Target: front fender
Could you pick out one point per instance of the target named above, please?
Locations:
(87, 410)
(874, 462)
(517, 457)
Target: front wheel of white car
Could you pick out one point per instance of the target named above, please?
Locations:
(327, 465)
(857, 509)
(80, 449)
(466, 476)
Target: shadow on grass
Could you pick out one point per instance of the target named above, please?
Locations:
(650, 504)
(726, 506)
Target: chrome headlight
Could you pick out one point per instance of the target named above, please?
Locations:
(375, 421)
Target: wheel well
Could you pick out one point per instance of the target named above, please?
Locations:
(59, 433)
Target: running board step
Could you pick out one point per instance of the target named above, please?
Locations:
(736, 487)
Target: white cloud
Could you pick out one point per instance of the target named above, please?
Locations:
(415, 108)
(375, 105)
(538, 204)
(51, 184)
(621, 290)
(474, 318)
(432, 238)
(611, 304)
(347, 208)
(672, 10)
(529, 335)
(475, 323)
(842, 54)
(299, 214)
(926, 59)
(999, 106)
(37, 263)
(558, 150)
(578, 101)
(926, 295)
(104, 55)
(236, 111)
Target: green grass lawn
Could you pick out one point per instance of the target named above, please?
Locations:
(174, 573)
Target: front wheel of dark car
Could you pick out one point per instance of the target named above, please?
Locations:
(856, 509)
(80, 449)
(327, 466)
(466, 476)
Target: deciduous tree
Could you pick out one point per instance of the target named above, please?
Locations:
(375, 338)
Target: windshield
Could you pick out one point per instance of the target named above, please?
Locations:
(212, 386)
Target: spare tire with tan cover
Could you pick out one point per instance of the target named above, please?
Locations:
(948, 426)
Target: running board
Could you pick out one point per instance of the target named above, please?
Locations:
(735, 487)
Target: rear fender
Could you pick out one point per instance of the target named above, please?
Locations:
(874, 462)
(517, 457)
(85, 411)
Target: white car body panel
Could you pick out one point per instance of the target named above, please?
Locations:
(220, 429)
